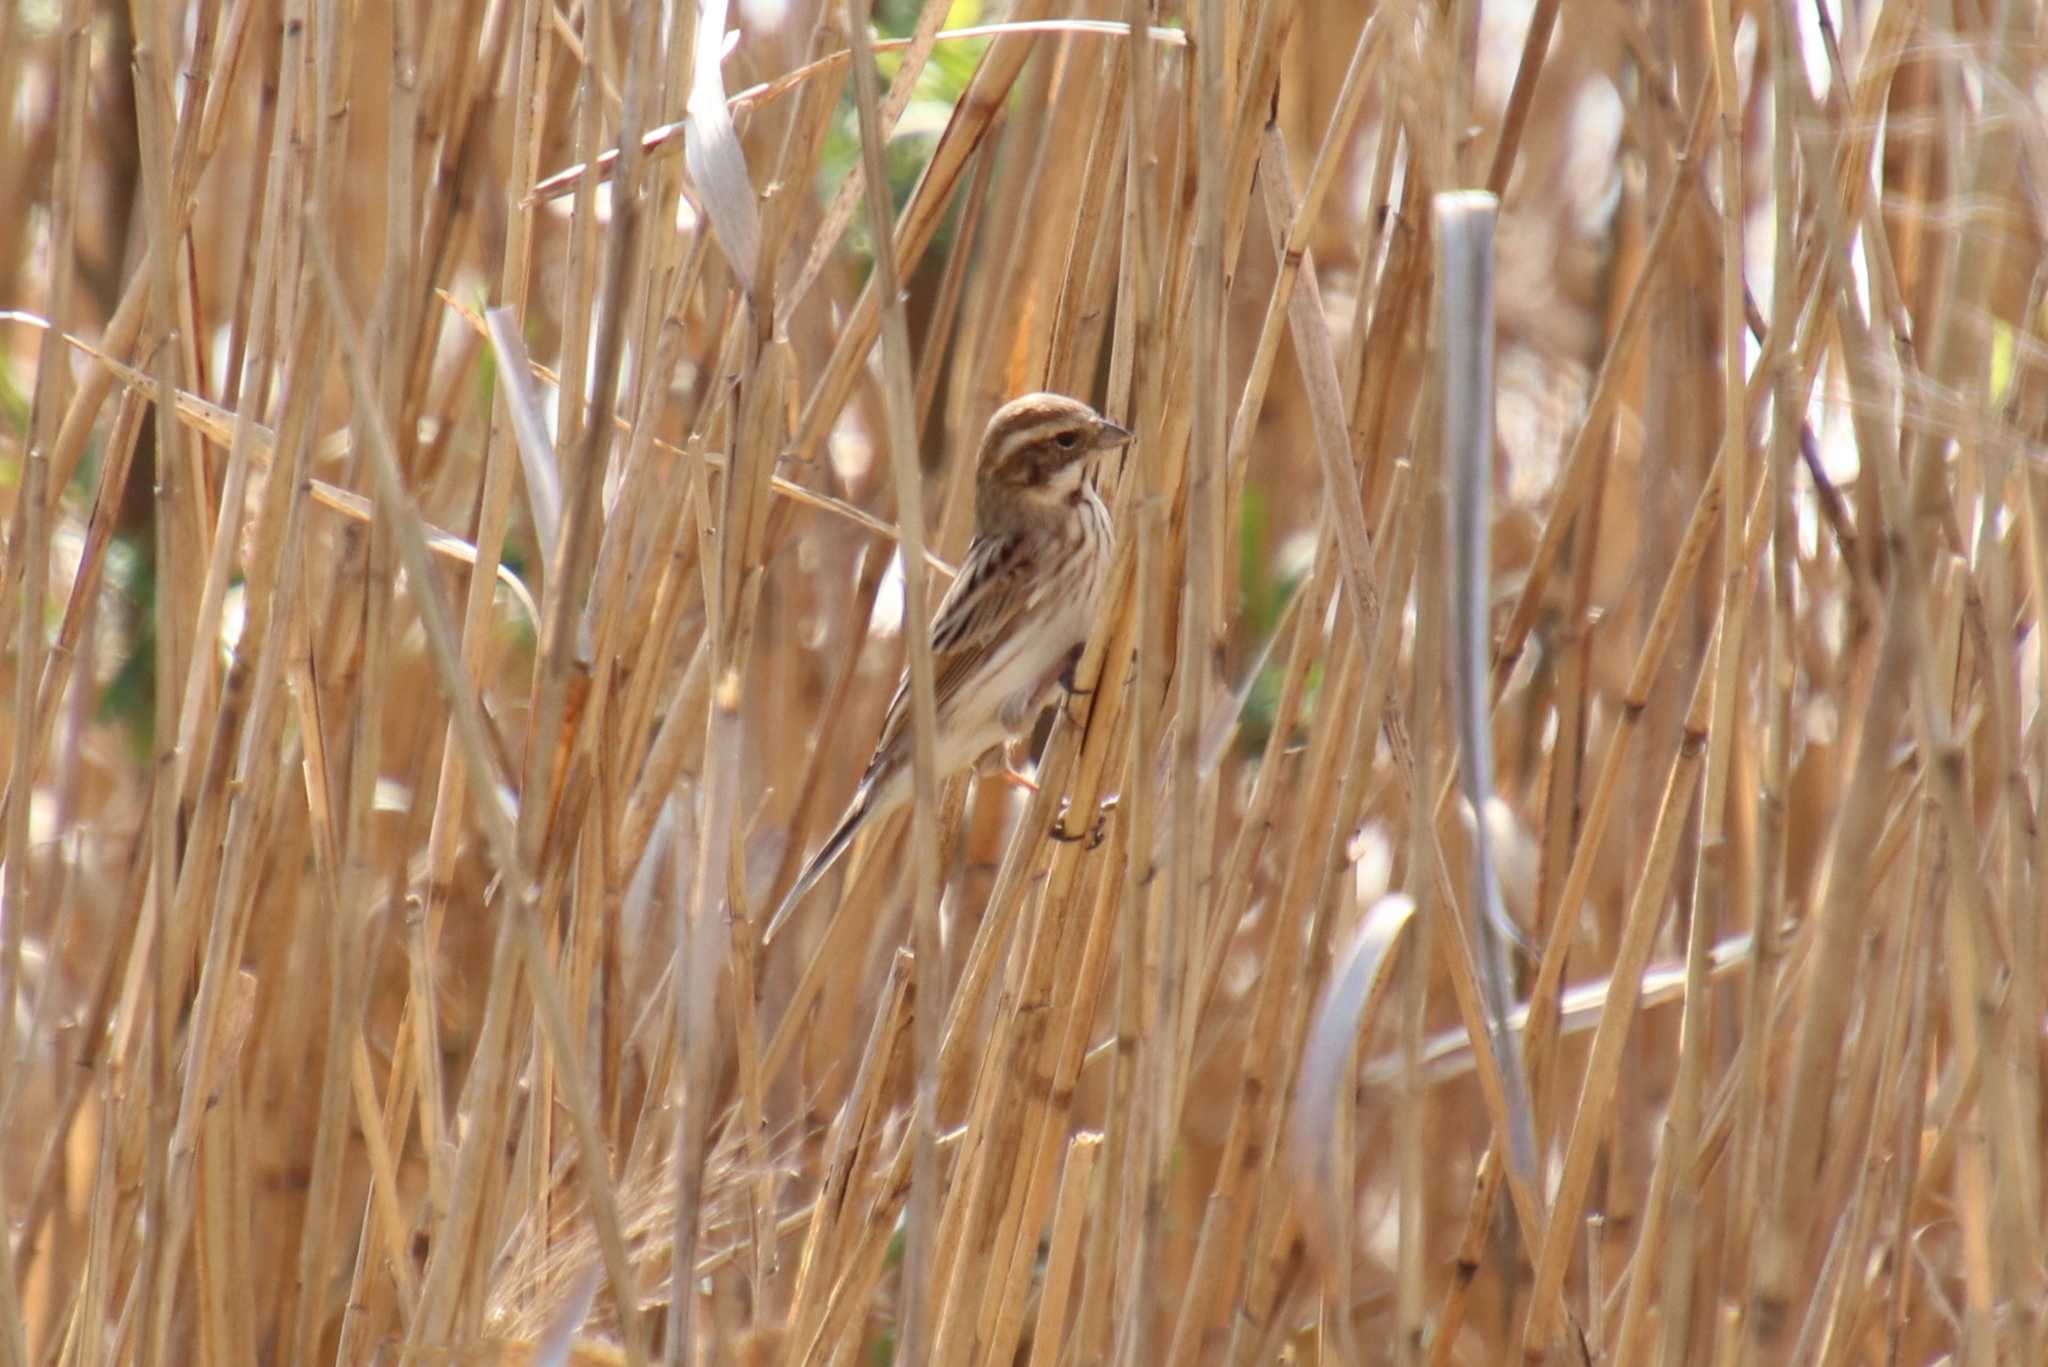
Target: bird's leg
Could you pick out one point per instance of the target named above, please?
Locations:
(1011, 774)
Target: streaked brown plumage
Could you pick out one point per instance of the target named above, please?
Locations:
(1014, 621)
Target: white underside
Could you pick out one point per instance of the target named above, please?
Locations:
(1006, 710)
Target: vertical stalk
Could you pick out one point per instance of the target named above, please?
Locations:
(899, 385)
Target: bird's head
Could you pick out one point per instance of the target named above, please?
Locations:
(1036, 449)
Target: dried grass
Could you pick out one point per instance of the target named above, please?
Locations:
(447, 590)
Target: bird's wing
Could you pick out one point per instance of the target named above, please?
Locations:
(975, 620)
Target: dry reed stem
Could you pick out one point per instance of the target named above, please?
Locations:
(899, 388)
(386, 983)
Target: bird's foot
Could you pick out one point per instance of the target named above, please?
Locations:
(1098, 829)
(1070, 690)
(1068, 684)
(1014, 756)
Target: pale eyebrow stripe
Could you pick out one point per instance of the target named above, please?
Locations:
(1022, 432)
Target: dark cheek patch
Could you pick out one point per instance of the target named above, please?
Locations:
(1035, 468)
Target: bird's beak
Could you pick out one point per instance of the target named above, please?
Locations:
(1108, 435)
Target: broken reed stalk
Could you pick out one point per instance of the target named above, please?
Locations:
(1465, 340)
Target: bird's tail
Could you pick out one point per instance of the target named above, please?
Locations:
(820, 864)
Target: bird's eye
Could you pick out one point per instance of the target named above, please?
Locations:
(1066, 440)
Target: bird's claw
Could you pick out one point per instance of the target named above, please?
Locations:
(1067, 711)
(1068, 684)
(1069, 692)
(1097, 832)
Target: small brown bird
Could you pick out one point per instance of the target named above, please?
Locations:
(1014, 622)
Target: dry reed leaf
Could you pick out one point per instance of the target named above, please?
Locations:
(529, 428)
(1359, 978)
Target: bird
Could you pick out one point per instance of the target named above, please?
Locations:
(1013, 625)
